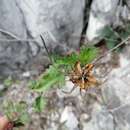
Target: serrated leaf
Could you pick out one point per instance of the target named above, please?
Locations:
(87, 55)
(39, 104)
(51, 77)
(66, 60)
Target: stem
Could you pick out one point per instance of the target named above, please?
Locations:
(51, 60)
(9, 34)
(117, 46)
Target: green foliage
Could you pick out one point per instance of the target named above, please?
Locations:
(115, 36)
(52, 76)
(8, 82)
(16, 112)
(55, 74)
(65, 60)
(111, 38)
(124, 31)
(39, 104)
(86, 55)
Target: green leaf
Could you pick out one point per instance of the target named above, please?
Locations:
(8, 82)
(111, 37)
(87, 55)
(24, 118)
(51, 77)
(108, 32)
(39, 104)
(124, 35)
(66, 60)
(16, 112)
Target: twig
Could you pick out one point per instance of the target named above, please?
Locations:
(115, 33)
(46, 49)
(9, 34)
(117, 46)
(117, 108)
(26, 40)
(17, 40)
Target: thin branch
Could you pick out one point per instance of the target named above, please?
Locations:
(9, 34)
(46, 49)
(117, 108)
(116, 34)
(23, 40)
(17, 40)
(111, 50)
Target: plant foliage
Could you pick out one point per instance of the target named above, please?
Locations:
(55, 74)
(115, 36)
(52, 76)
(16, 112)
(39, 104)
(85, 55)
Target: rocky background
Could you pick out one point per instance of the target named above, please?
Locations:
(62, 23)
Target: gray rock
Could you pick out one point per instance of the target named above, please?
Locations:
(116, 91)
(58, 21)
(12, 54)
(110, 97)
(116, 94)
(122, 117)
(2, 87)
(13, 57)
(101, 119)
(11, 18)
(69, 119)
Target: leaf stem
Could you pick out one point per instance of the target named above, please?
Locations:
(117, 46)
(51, 60)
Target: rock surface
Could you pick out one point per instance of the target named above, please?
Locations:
(60, 22)
(12, 54)
(11, 18)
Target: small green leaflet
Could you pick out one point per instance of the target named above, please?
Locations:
(51, 77)
(39, 104)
